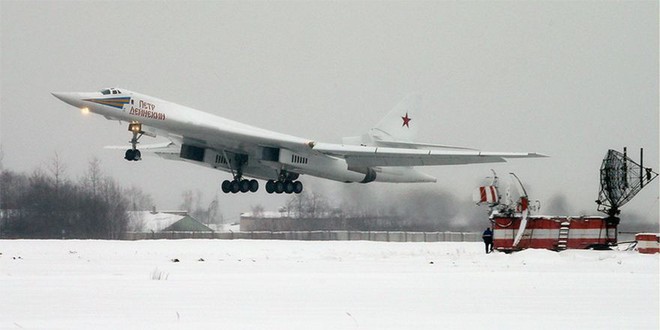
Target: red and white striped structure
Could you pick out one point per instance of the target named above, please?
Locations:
(648, 243)
(554, 232)
(485, 194)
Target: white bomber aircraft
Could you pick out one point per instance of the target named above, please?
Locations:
(387, 153)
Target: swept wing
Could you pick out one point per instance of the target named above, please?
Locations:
(385, 156)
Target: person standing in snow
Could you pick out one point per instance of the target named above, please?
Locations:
(488, 240)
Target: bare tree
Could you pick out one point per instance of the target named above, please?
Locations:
(257, 211)
(192, 202)
(47, 205)
(116, 206)
(93, 176)
(214, 215)
(2, 156)
(12, 187)
(57, 170)
(187, 201)
(139, 200)
(135, 222)
(308, 205)
(104, 211)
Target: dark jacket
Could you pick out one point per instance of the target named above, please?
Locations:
(487, 235)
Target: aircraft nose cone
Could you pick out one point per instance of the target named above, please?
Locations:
(70, 98)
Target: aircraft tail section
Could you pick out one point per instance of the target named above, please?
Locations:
(400, 124)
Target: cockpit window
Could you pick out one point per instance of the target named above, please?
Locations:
(107, 91)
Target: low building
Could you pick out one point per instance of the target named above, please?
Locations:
(165, 221)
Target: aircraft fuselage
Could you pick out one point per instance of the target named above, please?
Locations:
(231, 146)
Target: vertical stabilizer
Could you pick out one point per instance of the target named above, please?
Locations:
(400, 124)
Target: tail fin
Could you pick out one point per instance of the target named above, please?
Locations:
(400, 124)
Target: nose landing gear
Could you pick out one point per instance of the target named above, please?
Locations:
(134, 154)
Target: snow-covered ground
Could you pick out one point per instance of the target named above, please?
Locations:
(245, 284)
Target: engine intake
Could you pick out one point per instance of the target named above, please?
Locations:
(370, 176)
(192, 152)
(369, 173)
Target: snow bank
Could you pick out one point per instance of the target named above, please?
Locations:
(244, 284)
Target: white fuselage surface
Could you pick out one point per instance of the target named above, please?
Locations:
(385, 154)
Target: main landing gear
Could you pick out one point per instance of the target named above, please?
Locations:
(286, 183)
(286, 186)
(278, 187)
(133, 153)
(238, 185)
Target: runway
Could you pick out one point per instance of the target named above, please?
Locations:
(246, 284)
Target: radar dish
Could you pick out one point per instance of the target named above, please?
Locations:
(620, 180)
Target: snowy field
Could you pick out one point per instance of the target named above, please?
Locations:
(320, 285)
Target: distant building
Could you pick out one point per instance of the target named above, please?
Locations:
(165, 221)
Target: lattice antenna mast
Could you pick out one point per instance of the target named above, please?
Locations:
(620, 180)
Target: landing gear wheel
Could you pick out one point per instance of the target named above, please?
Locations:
(270, 186)
(132, 154)
(254, 185)
(297, 187)
(226, 186)
(244, 186)
(288, 186)
(279, 187)
(235, 187)
(285, 184)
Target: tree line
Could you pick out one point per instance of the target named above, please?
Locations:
(47, 204)
(424, 208)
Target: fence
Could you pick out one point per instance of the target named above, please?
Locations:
(320, 235)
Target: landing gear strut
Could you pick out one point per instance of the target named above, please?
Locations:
(133, 153)
(239, 184)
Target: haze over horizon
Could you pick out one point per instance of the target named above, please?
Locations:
(567, 79)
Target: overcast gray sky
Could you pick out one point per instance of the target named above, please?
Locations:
(568, 79)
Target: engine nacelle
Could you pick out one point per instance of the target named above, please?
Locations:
(209, 157)
(369, 173)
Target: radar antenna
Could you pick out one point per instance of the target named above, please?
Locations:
(620, 180)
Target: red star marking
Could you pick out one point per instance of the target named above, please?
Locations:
(406, 120)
